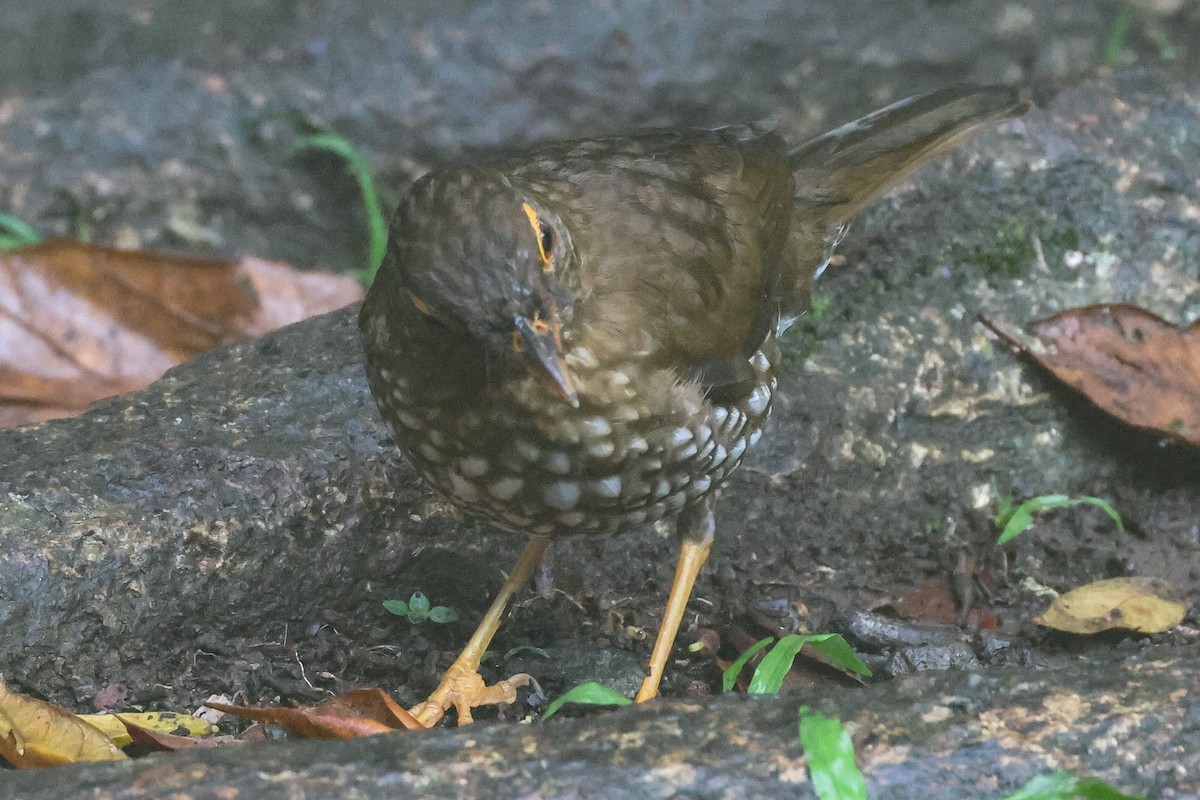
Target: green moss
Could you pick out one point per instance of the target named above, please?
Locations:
(1009, 249)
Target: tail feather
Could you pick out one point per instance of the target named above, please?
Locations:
(845, 169)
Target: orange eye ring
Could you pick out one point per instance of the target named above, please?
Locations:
(421, 305)
(545, 237)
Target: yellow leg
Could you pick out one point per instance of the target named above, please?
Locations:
(462, 687)
(696, 527)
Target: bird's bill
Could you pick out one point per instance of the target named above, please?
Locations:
(541, 344)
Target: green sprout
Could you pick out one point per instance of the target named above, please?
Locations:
(522, 649)
(769, 674)
(818, 305)
(16, 233)
(829, 754)
(376, 220)
(1117, 35)
(417, 610)
(1064, 786)
(1015, 520)
(1153, 30)
(729, 677)
(588, 694)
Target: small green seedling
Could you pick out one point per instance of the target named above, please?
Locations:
(769, 674)
(522, 649)
(829, 754)
(729, 676)
(588, 694)
(417, 610)
(818, 305)
(1013, 521)
(1064, 786)
(16, 233)
(376, 220)
(1117, 35)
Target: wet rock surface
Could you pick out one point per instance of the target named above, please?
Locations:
(234, 527)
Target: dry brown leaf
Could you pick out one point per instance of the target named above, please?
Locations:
(1136, 604)
(378, 705)
(34, 733)
(362, 712)
(936, 602)
(79, 322)
(1129, 362)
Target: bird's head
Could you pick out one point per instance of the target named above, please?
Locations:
(481, 258)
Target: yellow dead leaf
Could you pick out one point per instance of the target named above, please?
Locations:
(1136, 604)
(161, 721)
(34, 733)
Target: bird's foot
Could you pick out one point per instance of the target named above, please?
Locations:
(463, 689)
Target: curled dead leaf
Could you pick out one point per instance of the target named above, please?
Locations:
(1129, 362)
(1136, 604)
(361, 712)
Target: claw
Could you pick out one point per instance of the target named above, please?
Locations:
(462, 687)
(463, 690)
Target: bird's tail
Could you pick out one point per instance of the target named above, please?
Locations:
(845, 169)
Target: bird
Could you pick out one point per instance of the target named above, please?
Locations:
(581, 338)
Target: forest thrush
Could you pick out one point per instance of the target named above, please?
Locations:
(580, 339)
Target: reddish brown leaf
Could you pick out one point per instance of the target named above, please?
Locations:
(1129, 362)
(80, 322)
(111, 695)
(936, 602)
(378, 705)
(332, 719)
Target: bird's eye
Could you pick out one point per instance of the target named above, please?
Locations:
(545, 237)
(546, 243)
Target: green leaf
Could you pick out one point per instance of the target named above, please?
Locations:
(818, 304)
(729, 677)
(16, 232)
(1020, 519)
(771, 671)
(525, 648)
(1047, 787)
(376, 220)
(588, 694)
(1004, 507)
(397, 607)
(829, 753)
(419, 603)
(1117, 35)
(442, 614)
(1064, 786)
(1096, 789)
(834, 647)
